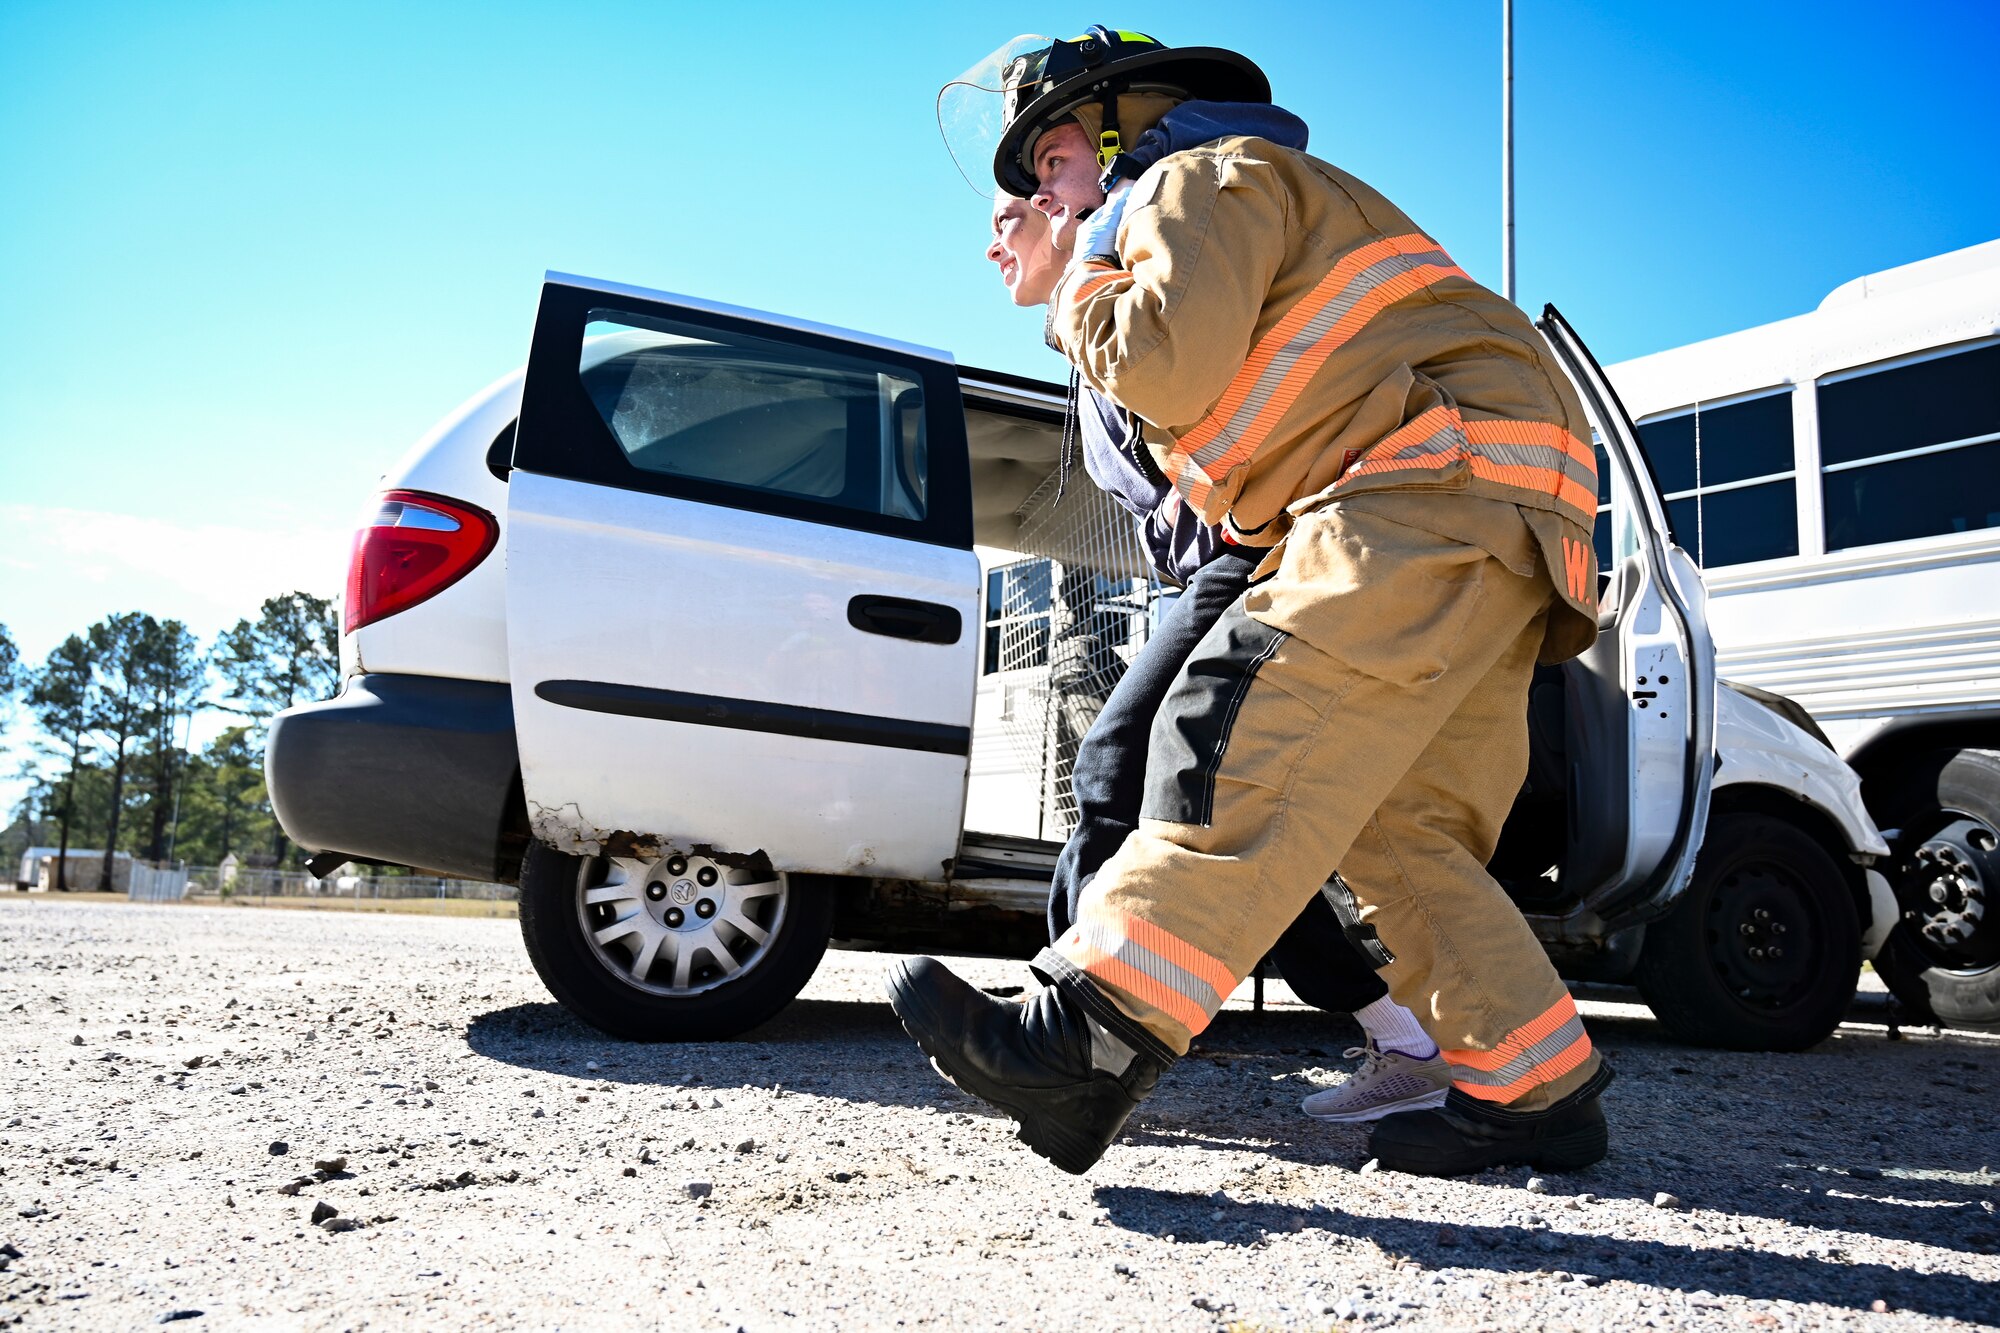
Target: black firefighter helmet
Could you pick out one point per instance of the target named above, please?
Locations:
(1039, 82)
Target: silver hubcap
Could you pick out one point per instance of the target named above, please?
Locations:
(679, 925)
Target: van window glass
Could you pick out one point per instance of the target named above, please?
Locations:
(1957, 490)
(1939, 401)
(1734, 527)
(1737, 441)
(759, 415)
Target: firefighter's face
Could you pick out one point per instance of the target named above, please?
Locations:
(1066, 170)
(1028, 264)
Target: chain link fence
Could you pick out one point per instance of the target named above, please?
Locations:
(1070, 623)
(157, 884)
(250, 886)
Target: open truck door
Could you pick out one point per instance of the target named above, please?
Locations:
(1641, 703)
(755, 537)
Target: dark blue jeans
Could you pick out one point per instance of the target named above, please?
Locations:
(1109, 777)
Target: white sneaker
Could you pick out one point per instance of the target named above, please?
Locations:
(1386, 1082)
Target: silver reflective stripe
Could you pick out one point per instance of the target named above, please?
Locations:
(1315, 331)
(1525, 1063)
(1109, 941)
(1448, 440)
(1451, 439)
(1542, 456)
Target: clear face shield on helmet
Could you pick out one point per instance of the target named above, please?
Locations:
(975, 107)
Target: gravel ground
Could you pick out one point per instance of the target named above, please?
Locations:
(186, 1087)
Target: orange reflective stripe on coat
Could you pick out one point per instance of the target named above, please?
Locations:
(1540, 1052)
(1099, 277)
(1535, 456)
(1366, 281)
(1149, 964)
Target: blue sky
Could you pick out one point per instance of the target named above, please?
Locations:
(253, 250)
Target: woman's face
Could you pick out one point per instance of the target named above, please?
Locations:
(1029, 264)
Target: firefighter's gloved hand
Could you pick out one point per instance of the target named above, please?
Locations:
(1097, 235)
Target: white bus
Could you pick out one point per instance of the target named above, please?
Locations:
(1837, 475)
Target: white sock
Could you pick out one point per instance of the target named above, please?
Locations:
(1393, 1028)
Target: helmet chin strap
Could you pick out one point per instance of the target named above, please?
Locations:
(1109, 145)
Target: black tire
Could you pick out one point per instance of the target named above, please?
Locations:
(1763, 950)
(1943, 960)
(582, 977)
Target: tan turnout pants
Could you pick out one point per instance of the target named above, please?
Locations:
(1365, 707)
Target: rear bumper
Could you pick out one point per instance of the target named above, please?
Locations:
(419, 771)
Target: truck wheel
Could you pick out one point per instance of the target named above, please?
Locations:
(674, 949)
(1763, 950)
(1943, 958)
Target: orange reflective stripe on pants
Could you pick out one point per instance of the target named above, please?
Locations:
(1536, 1053)
(1141, 959)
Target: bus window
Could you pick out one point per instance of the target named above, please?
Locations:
(1738, 525)
(1728, 476)
(1913, 450)
(1926, 496)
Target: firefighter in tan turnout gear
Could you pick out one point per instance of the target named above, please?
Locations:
(1316, 375)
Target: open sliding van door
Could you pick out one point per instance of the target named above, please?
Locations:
(1640, 715)
(742, 602)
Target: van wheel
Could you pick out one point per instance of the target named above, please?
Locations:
(682, 948)
(1763, 951)
(1943, 958)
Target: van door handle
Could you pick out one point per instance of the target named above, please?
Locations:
(901, 618)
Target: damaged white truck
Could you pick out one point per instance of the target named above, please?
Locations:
(682, 628)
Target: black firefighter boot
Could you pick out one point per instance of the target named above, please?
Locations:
(1066, 1063)
(1466, 1135)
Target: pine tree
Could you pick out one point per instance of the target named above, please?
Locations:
(175, 674)
(235, 782)
(60, 696)
(290, 654)
(11, 678)
(121, 645)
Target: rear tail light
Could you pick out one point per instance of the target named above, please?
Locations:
(416, 546)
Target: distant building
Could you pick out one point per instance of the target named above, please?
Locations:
(80, 869)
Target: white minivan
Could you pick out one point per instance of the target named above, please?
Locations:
(681, 626)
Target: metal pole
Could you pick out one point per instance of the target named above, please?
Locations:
(1507, 149)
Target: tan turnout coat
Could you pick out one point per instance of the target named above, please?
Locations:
(1289, 338)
